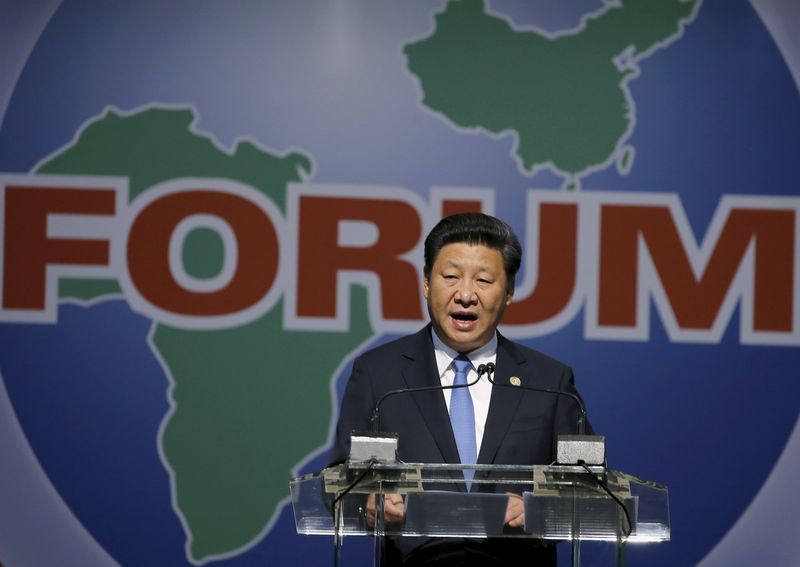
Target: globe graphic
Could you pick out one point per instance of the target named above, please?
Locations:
(330, 81)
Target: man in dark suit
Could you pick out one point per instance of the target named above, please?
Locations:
(471, 261)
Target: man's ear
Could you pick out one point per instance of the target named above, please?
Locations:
(426, 287)
(509, 297)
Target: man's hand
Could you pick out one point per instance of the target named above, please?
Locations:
(394, 509)
(515, 512)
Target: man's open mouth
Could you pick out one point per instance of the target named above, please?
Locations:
(465, 317)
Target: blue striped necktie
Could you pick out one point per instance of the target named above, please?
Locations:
(462, 418)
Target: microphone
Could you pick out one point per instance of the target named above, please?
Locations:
(571, 449)
(490, 368)
(374, 446)
(375, 420)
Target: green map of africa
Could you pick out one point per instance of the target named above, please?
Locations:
(226, 442)
(564, 97)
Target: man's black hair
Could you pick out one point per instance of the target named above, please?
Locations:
(475, 229)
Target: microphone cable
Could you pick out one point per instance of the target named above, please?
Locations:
(626, 529)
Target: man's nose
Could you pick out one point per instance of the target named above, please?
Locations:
(466, 293)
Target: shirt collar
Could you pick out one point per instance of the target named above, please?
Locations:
(445, 355)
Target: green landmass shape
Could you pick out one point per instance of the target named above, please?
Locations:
(248, 403)
(564, 97)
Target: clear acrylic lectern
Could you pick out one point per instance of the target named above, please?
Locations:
(561, 502)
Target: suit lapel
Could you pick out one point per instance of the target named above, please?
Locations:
(421, 371)
(503, 402)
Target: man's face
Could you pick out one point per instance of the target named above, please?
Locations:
(467, 295)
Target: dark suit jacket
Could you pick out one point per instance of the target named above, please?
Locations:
(521, 426)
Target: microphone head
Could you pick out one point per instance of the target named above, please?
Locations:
(482, 369)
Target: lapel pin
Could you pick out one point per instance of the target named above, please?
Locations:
(515, 381)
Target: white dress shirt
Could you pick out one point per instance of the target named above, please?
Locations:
(481, 392)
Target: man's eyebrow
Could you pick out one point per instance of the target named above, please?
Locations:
(480, 269)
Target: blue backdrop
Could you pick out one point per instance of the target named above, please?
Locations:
(113, 408)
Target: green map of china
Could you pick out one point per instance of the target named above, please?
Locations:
(564, 97)
(247, 403)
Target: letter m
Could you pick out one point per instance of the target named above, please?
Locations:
(748, 258)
